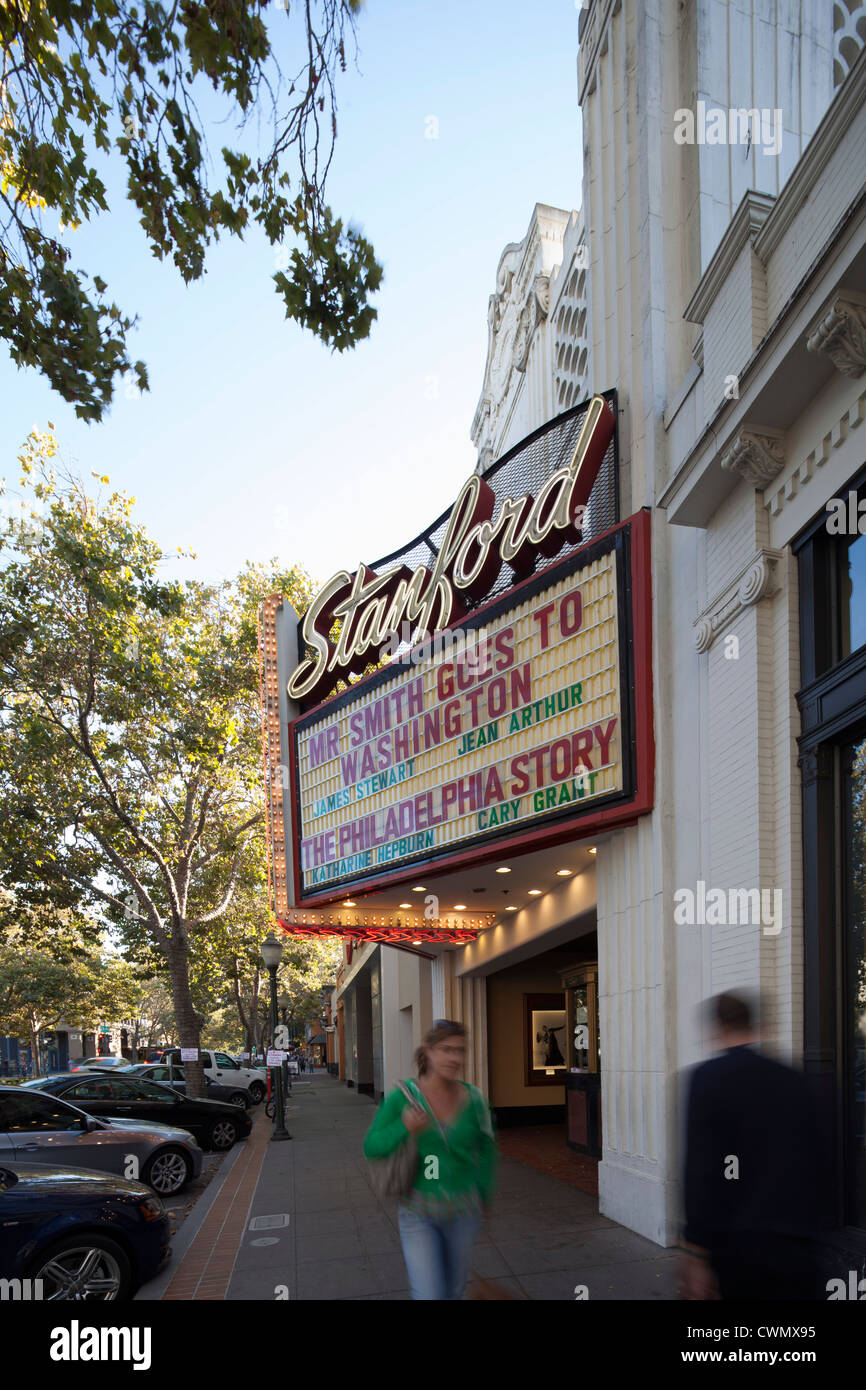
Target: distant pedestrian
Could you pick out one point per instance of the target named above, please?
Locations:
(450, 1121)
(751, 1173)
(301, 1063)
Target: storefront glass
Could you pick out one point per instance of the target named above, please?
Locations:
(854, 597)
(855, 977)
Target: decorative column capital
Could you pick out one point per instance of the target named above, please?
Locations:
(816, 765)
(757, 455)
(755, 582)
(841, 334)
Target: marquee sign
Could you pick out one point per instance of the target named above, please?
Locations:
(519, 723)
(371, 607)
(519, 726)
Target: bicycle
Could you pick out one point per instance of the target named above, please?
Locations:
(270, 1106)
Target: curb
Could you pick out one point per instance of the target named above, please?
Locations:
(153, 1290)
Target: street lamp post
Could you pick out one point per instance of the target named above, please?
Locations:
(272, 954)
(283, 1003)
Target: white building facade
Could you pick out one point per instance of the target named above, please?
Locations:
(721, 292)
(715, 279)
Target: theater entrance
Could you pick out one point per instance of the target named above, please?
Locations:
(543, 1053)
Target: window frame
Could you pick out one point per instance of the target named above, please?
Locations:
(832, 705)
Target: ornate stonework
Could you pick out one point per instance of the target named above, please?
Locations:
(531, 315)
(849, 37)
(757, 457)
(755, 582)
(841, 333)
(517, 315)
(809, 467)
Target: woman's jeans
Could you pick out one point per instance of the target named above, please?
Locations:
(437, 1252)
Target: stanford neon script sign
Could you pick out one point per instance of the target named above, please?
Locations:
(373, 607)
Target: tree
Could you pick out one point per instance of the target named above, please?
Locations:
(228, 978)
(50, 972)
(152, 1015)
(130, 735)
(85, 84)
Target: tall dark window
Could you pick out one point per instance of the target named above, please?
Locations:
(853, 605)
(854, 975)
(832, 700)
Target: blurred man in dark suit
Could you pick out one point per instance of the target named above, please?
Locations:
(752, 1171)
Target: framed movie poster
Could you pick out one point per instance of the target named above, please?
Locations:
(545, 1039)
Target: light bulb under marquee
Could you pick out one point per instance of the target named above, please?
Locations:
(535, 892)
(503, 869)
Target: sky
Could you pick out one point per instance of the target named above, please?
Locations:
(255, 441)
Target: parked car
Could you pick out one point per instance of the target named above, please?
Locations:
(125, 1096)
(175, 1076)
(36, 1128)
(88, 1236)
(107, 1063)
(219, 1067)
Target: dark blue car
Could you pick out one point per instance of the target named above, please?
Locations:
(85, 1235)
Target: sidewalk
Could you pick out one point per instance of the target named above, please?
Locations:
(299, 1220)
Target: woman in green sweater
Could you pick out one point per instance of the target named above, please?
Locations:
(451, 1121)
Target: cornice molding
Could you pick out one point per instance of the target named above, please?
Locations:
(756, 581)
(850, 419)
(841, 112)
(747, 221)
(758, 456)
(840, 332)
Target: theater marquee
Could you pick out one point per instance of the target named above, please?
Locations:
(517, 720)
(523, 722)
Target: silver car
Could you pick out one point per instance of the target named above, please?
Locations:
(39, 1128)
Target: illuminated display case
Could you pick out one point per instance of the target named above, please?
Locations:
(583, 1060)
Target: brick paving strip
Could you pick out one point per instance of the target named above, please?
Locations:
(206, 1268)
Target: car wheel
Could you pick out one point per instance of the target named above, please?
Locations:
(167, 1172)
(239, 1098)
(86, 1268)
(222, 1135)
(257, 1092)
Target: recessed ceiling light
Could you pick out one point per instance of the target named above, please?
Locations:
(511, 909)
(419, 888)
(563, 873)
(459, 907)
(405, 904)
(535, 892)
(349, 903)
(503, 869)
(593, 850)
(416, 941)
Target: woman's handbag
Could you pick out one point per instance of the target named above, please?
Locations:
(394, 1175)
